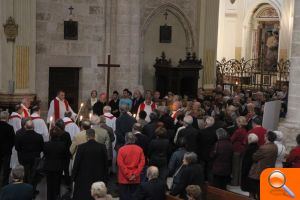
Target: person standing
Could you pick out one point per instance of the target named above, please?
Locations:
(131, 161)
(114, 104)
(137, 100)
(7, 135)
(148, 106)
(70, 126)
(80, 138)
(293, 159)
(90, 166)
(59, 106)
(15, 118)
(25, 104)
(29, 147)
(101, 103)
(55, 153)
(258, 130)
(39, 124)
(88, 106)
(110, 118)
(125, 100)
(124, 125)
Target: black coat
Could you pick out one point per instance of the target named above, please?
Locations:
(142, 141)
(55, 152)
(154, 189)
(7, 140)
(206, 139)
(29, 146)
(158, 152)
(222, 158)
(98, 108)
(66, 139)
(191, 174)
(149, 130)
(90, 166)
(246, 165)
(124, 125)
(115, 107)
(168, 121)
(190, 134)
(135, 104)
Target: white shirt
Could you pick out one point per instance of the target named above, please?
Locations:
(62, 110)
(71, 127)
(93, 101)
(147, 109)
(110, 120)
(16, 121)
(281, 154)
(40, 126)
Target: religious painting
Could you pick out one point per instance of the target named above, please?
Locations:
(266, 80)
(70, 30)
(165, 34)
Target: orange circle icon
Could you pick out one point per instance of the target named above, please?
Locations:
(277, 179)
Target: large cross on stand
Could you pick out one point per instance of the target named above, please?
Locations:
(108, 65)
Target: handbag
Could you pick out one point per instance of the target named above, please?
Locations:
(170, 180)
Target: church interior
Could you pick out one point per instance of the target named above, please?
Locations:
(228, 60)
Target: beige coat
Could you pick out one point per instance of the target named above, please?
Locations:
(79, 139)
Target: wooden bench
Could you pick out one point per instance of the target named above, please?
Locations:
(212, 193)
(170, 197)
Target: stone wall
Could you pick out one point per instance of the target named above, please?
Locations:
(53, 51)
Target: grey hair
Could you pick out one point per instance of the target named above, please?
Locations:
(137, 127)
(130, 138)
(17, 173)
(190, 157)
(188, 120)
(124, 108)
(98, 190)
(209, 121)
(107, 109)
(152, 172)
(4, 115)
(252, 138)
(221, 134)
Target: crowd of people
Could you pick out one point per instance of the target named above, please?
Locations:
(155, 145)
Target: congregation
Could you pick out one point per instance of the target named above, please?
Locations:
(154, 145)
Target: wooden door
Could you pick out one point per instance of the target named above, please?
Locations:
(67, 79)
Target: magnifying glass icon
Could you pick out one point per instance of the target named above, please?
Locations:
(277, 180)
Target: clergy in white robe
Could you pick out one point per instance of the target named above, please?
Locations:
(148, 107)
(70, 126)
(25, 105)
(15, 121)
(110, 118)
(39, 124)
(58, 106)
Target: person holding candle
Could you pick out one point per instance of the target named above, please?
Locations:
(70, 126)
(58, 106)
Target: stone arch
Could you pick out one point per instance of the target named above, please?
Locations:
(182, 19)
(250, 12)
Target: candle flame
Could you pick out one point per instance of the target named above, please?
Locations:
(51, 119)
(81, 104)
(81, 117)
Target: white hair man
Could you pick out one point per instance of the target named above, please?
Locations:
(110, 118)
(154, 188)
(190, 134)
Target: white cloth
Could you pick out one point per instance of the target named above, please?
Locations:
(15, 122)
(40, 127)
(93, 101)
(280, 155)
(178, 130)
(71, 128)
(62, 110)
(147, 109)
(110, 120)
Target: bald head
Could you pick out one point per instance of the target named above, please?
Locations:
(152, 172)
(29, 125)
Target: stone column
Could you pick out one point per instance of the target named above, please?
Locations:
(291, 125)
(210, 43)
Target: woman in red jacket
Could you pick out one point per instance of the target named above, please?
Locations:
(131, 161)
(294, 157)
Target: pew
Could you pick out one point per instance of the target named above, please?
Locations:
(212, 193)
(170, 197)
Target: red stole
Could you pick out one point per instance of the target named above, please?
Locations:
(15, 116)
(26, 114)
(109, 117)
(56, 108)
(143, 105)
(33, 118)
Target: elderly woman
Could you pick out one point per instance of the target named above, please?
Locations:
(222, 160)
(191, 173)
(293, 158)
(247, 162)
(238, 141)
(281, 149)
(264, 157)
(99, 191)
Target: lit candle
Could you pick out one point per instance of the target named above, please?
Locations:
(81, 105)
(236, 83)
(50, 125)
(134, 115)
(90, 116)
(81, 117)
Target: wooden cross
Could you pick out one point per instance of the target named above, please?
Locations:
(108, 65)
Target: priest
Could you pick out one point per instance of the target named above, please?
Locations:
(148, 106)
(39, 124)
(58, 106)
(70, 125)
(15, 118)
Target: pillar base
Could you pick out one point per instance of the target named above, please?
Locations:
(290, 131)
